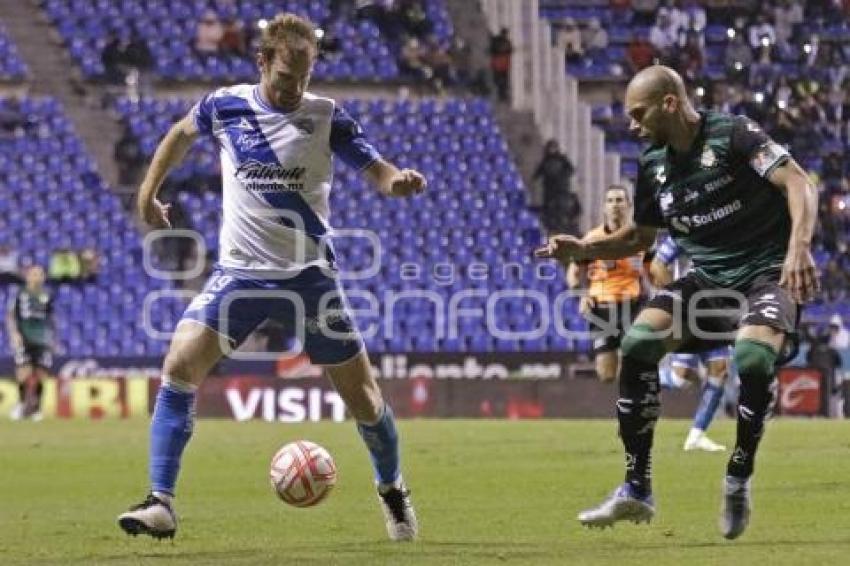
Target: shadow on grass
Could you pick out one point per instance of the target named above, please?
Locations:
(730, 544)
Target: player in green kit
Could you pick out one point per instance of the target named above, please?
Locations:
(28, 320)
(744, 211)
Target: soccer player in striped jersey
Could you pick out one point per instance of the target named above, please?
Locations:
(276, 259)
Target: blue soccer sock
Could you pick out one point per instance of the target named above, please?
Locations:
(381, 439)
(171, 428)
(709, 401)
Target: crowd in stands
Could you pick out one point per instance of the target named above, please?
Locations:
(69, 266)
(65, 266)
(417, 33)
(756, 41)
(413, 40)
(125, 54)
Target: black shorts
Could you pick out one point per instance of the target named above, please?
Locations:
(34, 355)
(709, 316)
(609, 323)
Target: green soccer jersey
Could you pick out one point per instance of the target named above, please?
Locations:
(716, 200)
(32, 313)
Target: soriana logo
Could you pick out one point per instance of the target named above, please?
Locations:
(800, 391)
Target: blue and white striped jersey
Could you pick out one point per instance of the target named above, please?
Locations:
(277, 171)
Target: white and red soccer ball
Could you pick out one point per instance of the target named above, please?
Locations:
(302, 473)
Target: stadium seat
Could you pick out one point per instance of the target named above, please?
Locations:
(85, 25)
(43, 189)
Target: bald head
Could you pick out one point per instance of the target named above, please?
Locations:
(657, 104)
(655, 82)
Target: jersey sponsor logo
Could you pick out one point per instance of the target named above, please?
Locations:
(253, 170)
(708, 158)
(270, 177)
(685, 223)
(718, 183)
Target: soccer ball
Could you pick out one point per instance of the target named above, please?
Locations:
(302, 473)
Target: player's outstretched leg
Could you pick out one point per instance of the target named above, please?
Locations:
(756, 363)
(194, 350)
(637, 411)
(375, 422)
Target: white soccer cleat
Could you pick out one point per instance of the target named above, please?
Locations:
(37, 417)
(153, 517)
(736, 509)
(17, 413)
(697, 440)
(622, 505)
(398, 512)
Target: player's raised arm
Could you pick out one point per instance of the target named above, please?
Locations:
(625, 242)
(169, 153)
(349, 143)
(394, 182)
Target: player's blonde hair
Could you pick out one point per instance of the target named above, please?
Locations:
(290, 31)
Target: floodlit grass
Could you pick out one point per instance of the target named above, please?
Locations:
(486, 492)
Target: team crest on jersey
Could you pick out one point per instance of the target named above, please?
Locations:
(248, 141)
(660, 174)
(708, 158)
(244, 124)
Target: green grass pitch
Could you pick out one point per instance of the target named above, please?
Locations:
(486, 492)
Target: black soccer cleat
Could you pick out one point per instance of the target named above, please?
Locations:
(398, 512)
(153, 517)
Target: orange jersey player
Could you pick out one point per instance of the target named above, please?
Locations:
(614, 287)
